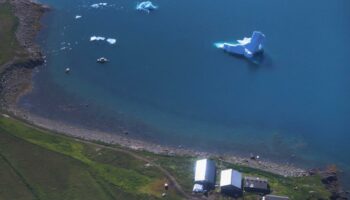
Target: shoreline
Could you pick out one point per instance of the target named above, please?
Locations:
(16, 81)
(139, 145)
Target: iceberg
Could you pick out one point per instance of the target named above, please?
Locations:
(146, 6)
(97, 38)
(111, 40)
(247, 47)
(78, 16)
(97, 5)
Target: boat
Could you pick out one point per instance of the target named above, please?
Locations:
(67, 70)
(102, 60)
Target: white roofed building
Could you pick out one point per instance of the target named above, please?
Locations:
(205, 174)
(231, 182)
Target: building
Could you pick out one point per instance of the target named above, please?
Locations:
(256, 184)
(274, 197)
(204, 176)
(231, 182)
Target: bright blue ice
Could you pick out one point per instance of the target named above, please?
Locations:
(146, 6)
(247, 47)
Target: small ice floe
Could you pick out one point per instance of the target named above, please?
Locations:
(97, 38)
(111, 40)
(146, 6)
(100, 38)
(98, 5)
(247, 47)
(78, 16)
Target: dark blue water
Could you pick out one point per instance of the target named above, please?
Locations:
(167, 83)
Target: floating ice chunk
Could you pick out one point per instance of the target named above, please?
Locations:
(97, 38)
(247, 47)
(146, 6)
(111, 40)
(78, 16)
(97, 5)
(219, 45)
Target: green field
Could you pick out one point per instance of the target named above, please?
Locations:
(36, 164)
(39, 165)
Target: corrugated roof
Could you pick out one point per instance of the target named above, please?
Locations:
(205, 171)
(201, 166)
(231, 177)
(255, 182)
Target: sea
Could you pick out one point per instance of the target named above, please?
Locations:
(167, 83)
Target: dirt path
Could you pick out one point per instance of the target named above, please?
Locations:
(170, 177)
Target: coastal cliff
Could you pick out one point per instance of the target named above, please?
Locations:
(16, 72)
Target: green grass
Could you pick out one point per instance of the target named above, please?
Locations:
(309, 187)
(41, 165)
(9, 47)
(48, 166)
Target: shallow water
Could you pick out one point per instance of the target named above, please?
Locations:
(167, 83)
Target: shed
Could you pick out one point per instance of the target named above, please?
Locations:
(231, 179)
(274, 197)
(205, 173)
(231, 182)
(256, 184)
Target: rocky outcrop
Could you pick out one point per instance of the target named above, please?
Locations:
(329, 178)
(15, 78)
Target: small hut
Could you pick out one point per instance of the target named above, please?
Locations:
(256, 184)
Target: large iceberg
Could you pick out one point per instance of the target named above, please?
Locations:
(146, 6)
(247, 47)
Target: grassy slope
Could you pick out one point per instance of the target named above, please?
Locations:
(9, 46)
(38, 165)
(42, 165)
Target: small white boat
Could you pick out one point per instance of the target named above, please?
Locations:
(102, 60)
(67, 70)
